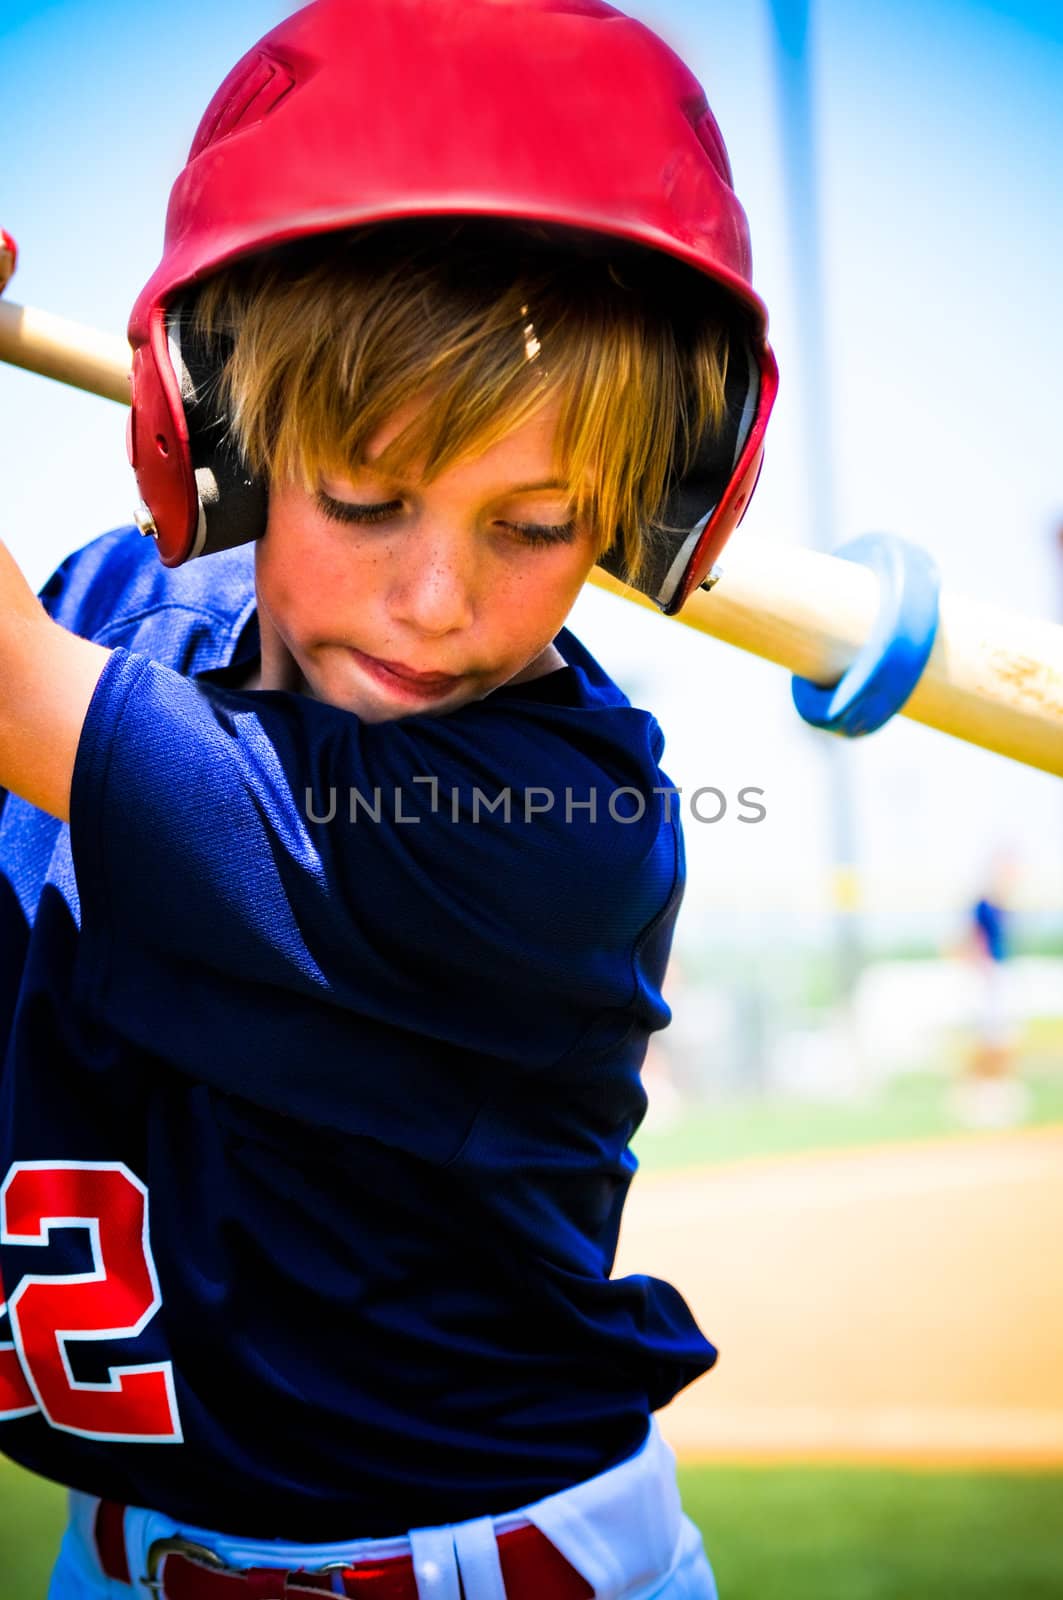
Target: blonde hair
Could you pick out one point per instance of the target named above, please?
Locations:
(491, 319)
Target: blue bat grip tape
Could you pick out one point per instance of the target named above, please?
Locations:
(890, 662)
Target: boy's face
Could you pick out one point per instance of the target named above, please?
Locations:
(369, 582)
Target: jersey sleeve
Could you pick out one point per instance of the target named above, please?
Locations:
(364, 922)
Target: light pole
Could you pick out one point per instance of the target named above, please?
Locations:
(796, 102)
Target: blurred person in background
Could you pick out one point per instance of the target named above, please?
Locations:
(990, 1093)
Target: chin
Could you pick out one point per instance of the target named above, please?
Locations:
(375, 714)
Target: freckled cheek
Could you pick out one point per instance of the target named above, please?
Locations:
(313, 586)
(530, 607)
(550, 593)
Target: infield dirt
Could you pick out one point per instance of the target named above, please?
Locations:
(900, 1303)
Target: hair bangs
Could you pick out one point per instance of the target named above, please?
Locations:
(484, 323)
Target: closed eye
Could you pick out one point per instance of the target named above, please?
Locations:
(544, 533)
(351, 511)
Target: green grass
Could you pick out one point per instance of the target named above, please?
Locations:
(32, 1518)
(775, 1533)
(916, 1106)
(860, 1533)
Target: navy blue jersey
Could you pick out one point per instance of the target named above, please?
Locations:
(321, 1046)
(991, 921)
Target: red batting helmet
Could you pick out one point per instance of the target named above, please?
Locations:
(562, 112)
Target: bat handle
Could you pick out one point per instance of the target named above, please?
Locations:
(66, 351)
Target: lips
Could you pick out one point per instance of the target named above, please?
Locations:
(415, 677)
(395, 674)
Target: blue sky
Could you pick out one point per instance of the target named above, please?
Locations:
(939, 128)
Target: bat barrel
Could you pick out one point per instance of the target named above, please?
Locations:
(994, 677)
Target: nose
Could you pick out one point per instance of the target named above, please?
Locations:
(434, 583)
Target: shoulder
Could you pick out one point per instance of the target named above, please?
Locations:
(553, 811)
(115, 590)
(586, 717)
(571, 726)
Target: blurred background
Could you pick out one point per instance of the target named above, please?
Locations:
(853, 1159)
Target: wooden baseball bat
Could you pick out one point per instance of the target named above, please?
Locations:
(995, 678)
(67, 351)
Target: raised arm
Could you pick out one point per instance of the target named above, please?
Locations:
(47, 676)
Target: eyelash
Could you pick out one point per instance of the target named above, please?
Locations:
(533, 533)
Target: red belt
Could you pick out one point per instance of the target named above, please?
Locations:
(532, 1569)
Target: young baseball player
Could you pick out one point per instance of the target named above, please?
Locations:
(337, 879)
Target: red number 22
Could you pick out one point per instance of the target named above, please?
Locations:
(116, 1300)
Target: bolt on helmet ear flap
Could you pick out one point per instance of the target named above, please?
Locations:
(316, 130)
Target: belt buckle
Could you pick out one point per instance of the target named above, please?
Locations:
(333, 1570)
(175, 1545)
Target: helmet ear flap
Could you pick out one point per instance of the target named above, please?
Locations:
(702, 499)
(233, 502)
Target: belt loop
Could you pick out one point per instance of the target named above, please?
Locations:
(477, 1552)
(109, 1532)
(435, 1566)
